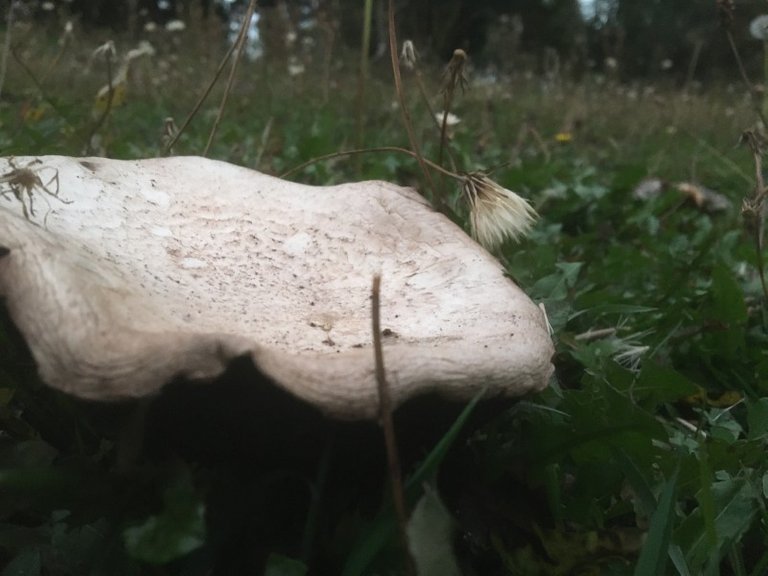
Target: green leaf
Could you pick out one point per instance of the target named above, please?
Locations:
(655, 553)
(26, 563)
(646, 501)
(178, 530)
(757, 417)
(278, 565)
(728, 297)
(678, 560)
(659, 384)
(735, 507)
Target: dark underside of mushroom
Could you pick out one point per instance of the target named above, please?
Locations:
(267, 462)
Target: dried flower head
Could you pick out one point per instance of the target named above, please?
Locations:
(725, 10)
(495, 212)
(454, 75)
(107, 50)
(408, 55)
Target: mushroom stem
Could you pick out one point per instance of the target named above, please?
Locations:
(385, 420)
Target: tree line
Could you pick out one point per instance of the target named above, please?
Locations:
(682, 40)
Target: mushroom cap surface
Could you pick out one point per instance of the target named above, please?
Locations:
(142, 271)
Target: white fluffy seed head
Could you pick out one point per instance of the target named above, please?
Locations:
(496, 213)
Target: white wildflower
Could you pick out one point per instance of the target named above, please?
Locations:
(175, 26)
(150, 26)
(144, 49)
(495, 212)
(450, 119)
(295, 67)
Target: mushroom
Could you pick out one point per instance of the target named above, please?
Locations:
(140, 272)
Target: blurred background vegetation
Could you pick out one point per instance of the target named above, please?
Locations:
(622, 121)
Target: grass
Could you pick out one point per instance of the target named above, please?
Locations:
(644, 456)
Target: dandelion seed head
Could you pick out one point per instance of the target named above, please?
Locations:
(758, 27)
(408, 55)
(496, 213)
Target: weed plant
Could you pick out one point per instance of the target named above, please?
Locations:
(646, 455)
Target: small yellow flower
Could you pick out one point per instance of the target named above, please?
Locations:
(564, 137)
(495, 212)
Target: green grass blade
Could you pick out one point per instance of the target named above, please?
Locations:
(655, 553)
(678, 560)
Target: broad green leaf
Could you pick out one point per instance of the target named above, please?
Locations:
(728, 297)
(659, 384)
(655, 553)
(735, 507)
(176, 531)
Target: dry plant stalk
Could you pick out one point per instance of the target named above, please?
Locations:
(7, 44)
(108, 49)
(453, 78)
(409, 58)
(753, 209)
(725, 10)
(385, 420)
(240, 47)
(203, 96)
(401, 98)
(496, 213)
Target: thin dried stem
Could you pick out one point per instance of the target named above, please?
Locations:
(387, 424)
(344, 153)
(39, 86)
(241, 39)
(203, 98)
(756, 100)
(107, 108)
(401, 99)
(753, 210)
(7, 44)
(362, 78)
(454, 78)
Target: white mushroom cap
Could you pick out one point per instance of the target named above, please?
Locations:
(173, 267)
